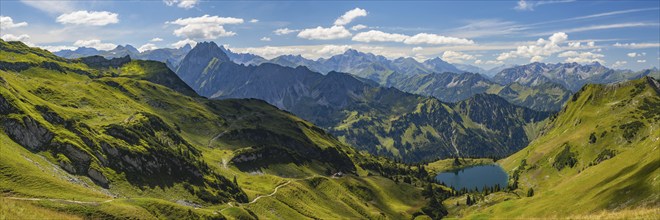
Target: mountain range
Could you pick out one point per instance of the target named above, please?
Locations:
(381, 120)
(170, 56)
(526, 85)
(570, 75)
(457, 82)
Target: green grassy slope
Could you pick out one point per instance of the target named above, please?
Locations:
(131, 141)
(598, 155)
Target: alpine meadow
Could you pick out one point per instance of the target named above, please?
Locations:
(190, 109)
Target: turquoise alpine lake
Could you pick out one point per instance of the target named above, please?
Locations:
(475, 176)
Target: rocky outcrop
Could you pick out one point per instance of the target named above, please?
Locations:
(6, 107)
(15, 66)
(49, 115)
(98, 177)
(29, 133)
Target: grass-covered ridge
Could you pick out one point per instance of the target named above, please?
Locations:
(599, 155)
(129, 140)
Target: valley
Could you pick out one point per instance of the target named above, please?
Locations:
(425, 110)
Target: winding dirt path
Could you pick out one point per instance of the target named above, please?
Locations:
(269, 195)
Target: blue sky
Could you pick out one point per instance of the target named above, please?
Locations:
(619, 34)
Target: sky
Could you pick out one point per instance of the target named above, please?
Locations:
(618, 34)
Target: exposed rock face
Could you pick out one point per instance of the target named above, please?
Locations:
(98, 177)
(49, 115)
(28, 133)
(6, 107)
(16, 67)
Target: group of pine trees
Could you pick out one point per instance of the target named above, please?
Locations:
(435, 209)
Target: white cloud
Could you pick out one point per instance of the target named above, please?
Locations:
(265, 39)
(51, 7)
(57, 48)
(187, 4)
(269, 52)
(94, 43)
(147, 47)
(641, 61)
(203, 31)
(421, 38)
(321, 33)
(330, 50)
(578, 44)
(456, 57)
(349, 16)
(523, 6)
(206, 19)
(494, 62)
(536, 59)
(284, 31)
(583, 57)
(379, 36)
(541, 48)
(611, 26)
(637, 45)
(604, 27)
(7, 23)
(11, 37)
(618, 64)
(156, 39)
(182, 43)
(424, 38)
(636, 54)
(204, 27)
(358, 27)
(529, 6)
(92, 18)
(487, 27)
(254, 20)
(417, 49)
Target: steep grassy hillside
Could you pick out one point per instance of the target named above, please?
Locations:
(121, 138)
(598, 155)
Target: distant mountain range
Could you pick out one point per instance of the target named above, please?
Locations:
(170, 56)
(455, 87)
(381, 120)
(543, 87)
(539, 86)
(570, 75)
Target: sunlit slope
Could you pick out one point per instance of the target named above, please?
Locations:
(601, 154)
(130, 140)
